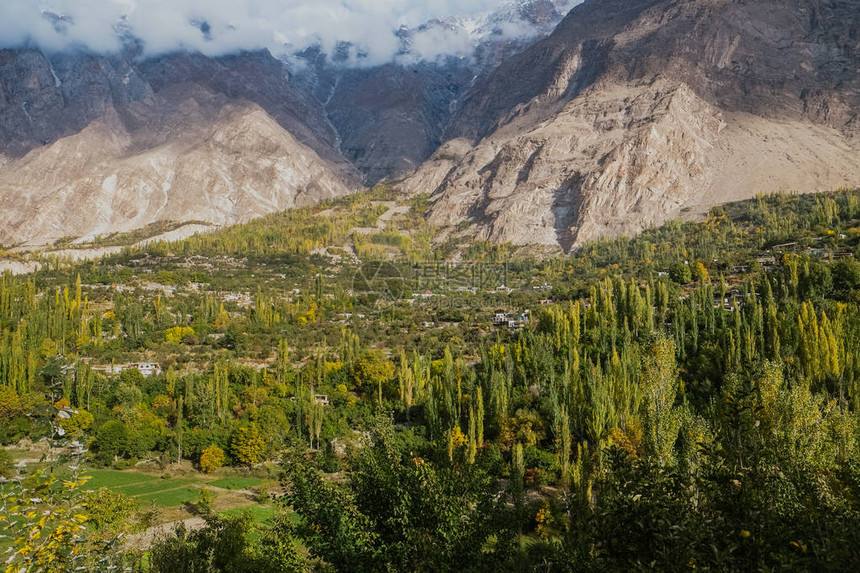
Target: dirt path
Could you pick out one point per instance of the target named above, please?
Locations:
(84, 254)
(160, 491)
(147, 538)
(382, 221)
(381, 224)
(392, 211)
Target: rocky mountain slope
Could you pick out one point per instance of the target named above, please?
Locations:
(629, 113)
(207, 159)
(634, 111)
(390, 118)
(93, 144)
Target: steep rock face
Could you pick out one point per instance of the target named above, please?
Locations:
(634, 110)
(93, 145)
(185, 153)
(390, 118)
(771, 57)
(42, 100)
(255, 77)
(602, 159)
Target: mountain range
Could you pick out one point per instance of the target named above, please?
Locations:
(613, 118)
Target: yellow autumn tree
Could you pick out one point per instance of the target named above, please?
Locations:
(211, 459)
(177, 333)
(47, 518)
(700, 273)
(247, 445)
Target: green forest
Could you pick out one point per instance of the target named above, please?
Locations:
(687, 399)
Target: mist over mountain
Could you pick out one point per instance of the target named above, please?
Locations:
(362, 32)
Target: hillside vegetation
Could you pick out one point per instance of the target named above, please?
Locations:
(685, 399)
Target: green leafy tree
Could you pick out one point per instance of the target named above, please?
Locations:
(371, 371)
(681, 273)
(111, 440)
(247, 445)
(398, 513)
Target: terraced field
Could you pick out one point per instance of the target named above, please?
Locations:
(167, 492)
(174, 491)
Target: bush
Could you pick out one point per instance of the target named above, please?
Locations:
(205, 504)
(545, 463)
(7, 466)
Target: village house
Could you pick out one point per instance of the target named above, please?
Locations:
(146, 368)
(511, 319)
(109, 369)
(734, 298)
(242, 299)
(166, 289)
(812, 252)
(766, 260)
(785, 247)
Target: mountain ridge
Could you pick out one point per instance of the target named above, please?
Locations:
(210, 159)
(586, 102)
(628, 113)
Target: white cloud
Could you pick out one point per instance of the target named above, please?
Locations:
(216, 27)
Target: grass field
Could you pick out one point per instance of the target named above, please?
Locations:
(114, 479)
(168, 492)
(153, 487)
(172, 497)
(259, 513)
(168, 496)
(236, 482)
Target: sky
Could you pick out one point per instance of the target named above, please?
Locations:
(216, 27)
